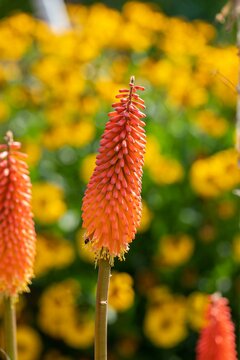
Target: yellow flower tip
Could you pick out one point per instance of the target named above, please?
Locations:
(112, 202)
(17, 233)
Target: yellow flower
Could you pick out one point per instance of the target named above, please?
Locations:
(159, 72)
(211, 124)
(80, 332)
(52, 253)
(47, 202)
(212, 176)
(59, 315)
(57, 308)
(57, 77)
(178, 38)
(145, 15)
(11, 33)
(121, 294)
(184, 91)
(197, 304)
(165, 319)
(163, 170)
(224, 65)
(76, 134)
(29, 343)
(152, 151)
(106, 88)
(33, 151)
(174, 250)
(87, 167)
(102, 24)
(146, 218)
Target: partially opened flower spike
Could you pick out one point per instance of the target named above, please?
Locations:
(217, 339)
(112, 202)
(17, 234)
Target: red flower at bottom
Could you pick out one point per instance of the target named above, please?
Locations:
(217, 339)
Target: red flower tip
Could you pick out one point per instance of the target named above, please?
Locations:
(217, 339)
(112, 202)
(17, 234)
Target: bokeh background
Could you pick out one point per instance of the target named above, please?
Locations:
(56, 88)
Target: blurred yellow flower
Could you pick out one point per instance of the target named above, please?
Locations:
(165, 319)
(197, 303)
(47, 202)
(106, 88)
(59, 315)
(163, 170)
(178, 38)
(52, 253)
(174, 250)
(211, 124)
(216, 174)
(9, 35)
(184, 91)
(146, 218)
(145, 15)
(224, 65)
(76, 134)
(33, 151)
(87, 167)
(80, 332)
(57, 307)
(121, 293)
(29, 343)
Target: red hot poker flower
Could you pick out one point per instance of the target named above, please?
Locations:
(217, 339)
(112, 202)
(17, 234)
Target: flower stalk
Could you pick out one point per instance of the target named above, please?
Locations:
(10, 327)
(102, 310)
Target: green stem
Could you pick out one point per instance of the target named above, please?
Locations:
(101, 310)
(10, 327)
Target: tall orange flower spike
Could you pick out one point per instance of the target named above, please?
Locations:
(17, 234)
(217, 339)
(112, 202)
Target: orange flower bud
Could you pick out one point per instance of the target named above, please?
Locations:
(217, 339)
(17, 234)
(112, 202)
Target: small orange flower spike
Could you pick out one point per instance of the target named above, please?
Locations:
(217, 339)
(112, 202)
(17, 234)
